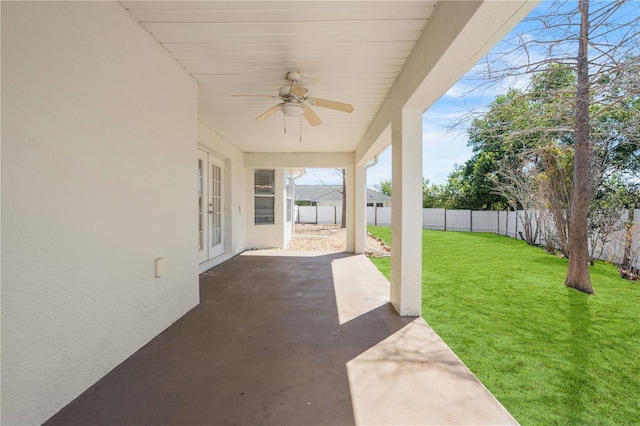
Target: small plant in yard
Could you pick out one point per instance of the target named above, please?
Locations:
(550, 354)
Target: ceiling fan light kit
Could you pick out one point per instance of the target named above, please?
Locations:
(292, 110)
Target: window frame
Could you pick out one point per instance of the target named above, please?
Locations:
(263, 190)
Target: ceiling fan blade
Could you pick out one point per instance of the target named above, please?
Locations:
(311, 116)
(324, 103)
(268, 113)
(298, 90)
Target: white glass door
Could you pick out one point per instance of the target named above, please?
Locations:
(210, 206)
(216, 204)
(203, 210)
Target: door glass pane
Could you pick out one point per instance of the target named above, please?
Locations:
(201, 206)
(216, 204)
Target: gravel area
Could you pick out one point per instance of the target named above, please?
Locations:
(328, 238)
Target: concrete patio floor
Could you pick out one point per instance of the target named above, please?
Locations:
(290, 338)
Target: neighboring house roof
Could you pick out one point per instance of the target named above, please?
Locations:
(373, 195)
(318, 192)
(331, 193)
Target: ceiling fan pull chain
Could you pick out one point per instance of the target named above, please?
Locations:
(300, 129)
(285, 123)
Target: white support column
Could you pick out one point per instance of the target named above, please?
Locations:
(351, 206)
(406, 212)
(360, 197)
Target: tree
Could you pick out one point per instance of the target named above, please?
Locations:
(494, 148)
(578, 274)
(597, 47)
(384, 186)
(342, 189)
(555, 180)
(526, 133)
(522, 156)
(432, 195)
(517, 181)
(606, 214)
(451, 195)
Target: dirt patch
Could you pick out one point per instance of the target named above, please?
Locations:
(329, 238)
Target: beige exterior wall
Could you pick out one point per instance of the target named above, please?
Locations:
(99, 134)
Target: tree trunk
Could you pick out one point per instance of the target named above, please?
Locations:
(578, 272)
(628, 241)
(344, 199)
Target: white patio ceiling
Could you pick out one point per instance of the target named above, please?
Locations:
(346, 51)
(356, 52)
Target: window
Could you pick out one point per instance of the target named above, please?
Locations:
(264, 196)
(379, 204)
(369, 204)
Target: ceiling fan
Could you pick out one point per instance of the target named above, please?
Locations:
(296, 103)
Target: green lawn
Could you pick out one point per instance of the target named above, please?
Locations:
(550, 354)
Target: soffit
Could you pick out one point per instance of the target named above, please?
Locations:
(350, 52)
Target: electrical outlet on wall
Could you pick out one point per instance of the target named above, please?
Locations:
(159, 267)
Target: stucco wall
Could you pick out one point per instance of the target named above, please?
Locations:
(99, 133)
(235, 188)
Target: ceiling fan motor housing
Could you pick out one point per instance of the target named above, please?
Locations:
(294, 76)
(285, 91)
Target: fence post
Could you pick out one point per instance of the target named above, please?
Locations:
(470, 220)
(316, 213)
(445, 219)
(506, 224)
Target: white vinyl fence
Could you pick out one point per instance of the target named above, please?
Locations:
(508, 223)
(503, 223)
(499, 222)
(320, 215)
